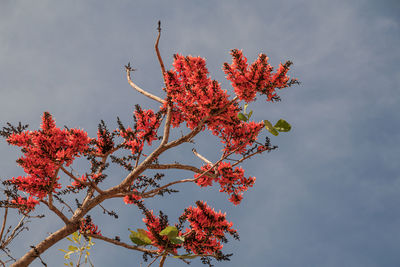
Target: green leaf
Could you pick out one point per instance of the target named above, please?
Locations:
(177, 240)
(139, 238)
(249, 115)
(282, 126)
(186, 256)
(62, 250)
(70, 239)
(242, 117)
(245, 108)
(67, 255)
(270, 128)
(72, 248)
(170, 231)
(75, 237)
(142, 232)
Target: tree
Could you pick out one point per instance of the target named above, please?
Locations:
(191, 97)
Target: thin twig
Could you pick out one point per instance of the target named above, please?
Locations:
(140, 90)
(162, 261)
(155, 258)
(158, 52)
(177, 166)
(122, 244)
(56, 211)
(17, 229)
(4, 222)
(154, 192)
(246, 157)
(90, 183)
(200, 156)
(64, 203)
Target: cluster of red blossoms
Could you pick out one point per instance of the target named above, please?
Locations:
(88, 227)
(45, 151)
(207, 229)
(104, 140)
(131, 199)
(232, 181)
(194, 95)
(258, 78)
(196, 98)
(154, 227)
(147, 123)
(25, 204)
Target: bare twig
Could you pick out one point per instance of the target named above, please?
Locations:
(247, 157)
(200, 156)
(158, 52)
(162, 261)
(56, 211)
(137, 88)
(17, 229)
(122, 244)
(177, 166)
(4, 222)
(64, 203)
(155, 258)
(90, 183)
(154, 192)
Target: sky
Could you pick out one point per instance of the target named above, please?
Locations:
(329, 196)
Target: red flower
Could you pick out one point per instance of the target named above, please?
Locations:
(45, 151)
(130, 199)
(25, 204)
(88, 227)
(194, 97)
(231, 181)
(147, 123)
(207, 229)
(258, 78)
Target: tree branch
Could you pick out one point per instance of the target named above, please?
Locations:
(200, 156)
(56, 211)
(140, 90)
(90, 183)
(122, 244)
(45, 244)
(158, 52)
(4, 222)
(177, 166)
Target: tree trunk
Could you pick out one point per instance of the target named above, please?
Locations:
(32, 254)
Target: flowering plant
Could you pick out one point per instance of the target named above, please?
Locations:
(191, 98)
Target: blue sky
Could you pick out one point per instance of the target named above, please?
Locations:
(329, 196)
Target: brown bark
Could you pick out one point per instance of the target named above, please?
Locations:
(44, 245)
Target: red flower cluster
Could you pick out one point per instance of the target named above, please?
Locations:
(104, 141)
(88, 227)
(258, 78)
(193, 93)
(147, 124)
(45, 151)
(154, 227)
(194, 96)
(231, 181)
(130, 199)
(207, 229)
(25, 204)
(241, 136)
